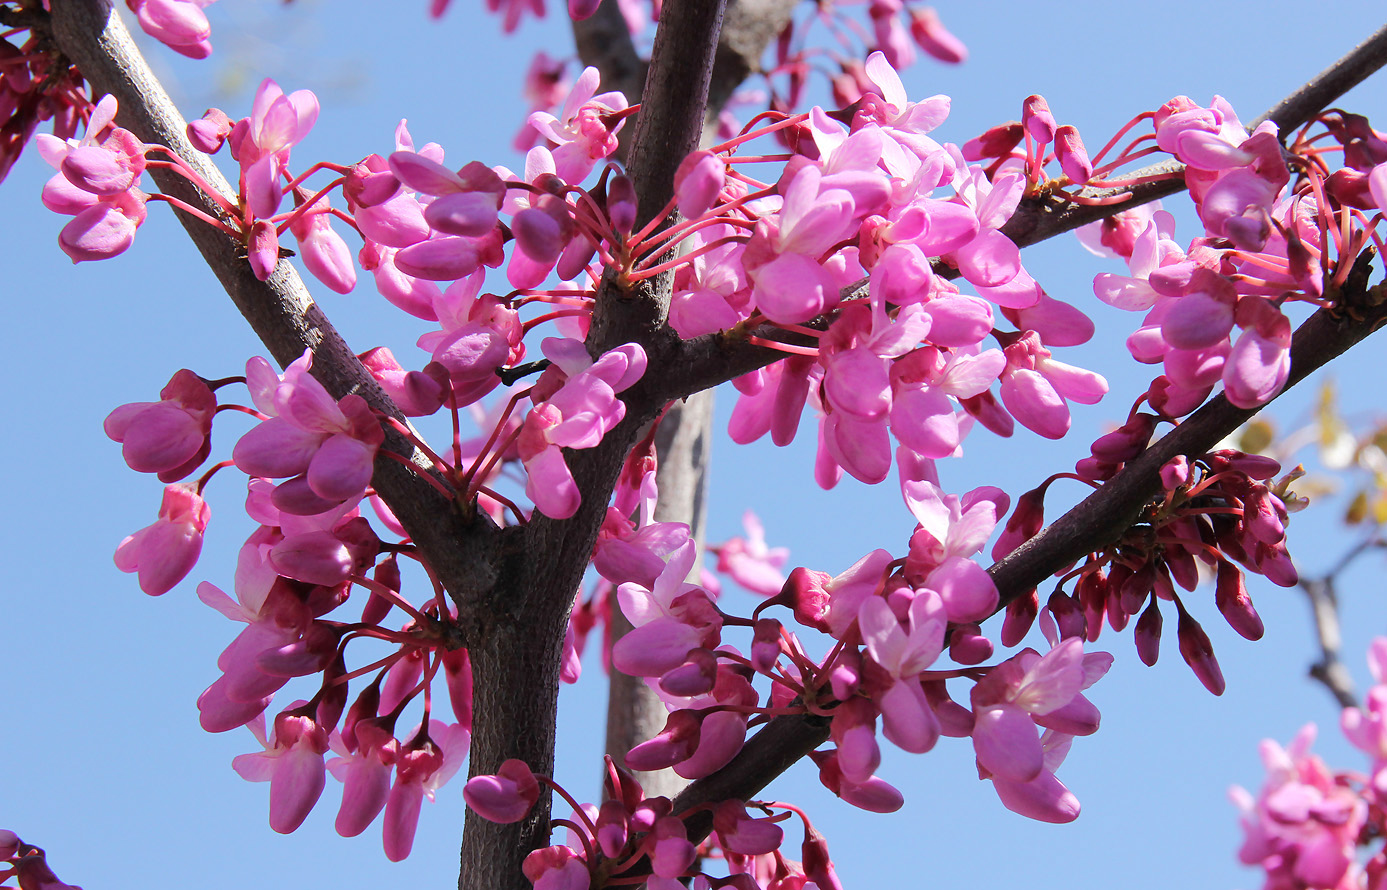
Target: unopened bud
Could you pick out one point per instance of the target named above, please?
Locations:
(1148, 635)
(1233, 601)
(1198, 652)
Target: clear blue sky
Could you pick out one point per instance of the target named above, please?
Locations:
(104, 764)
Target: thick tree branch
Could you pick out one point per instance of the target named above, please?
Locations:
(684, 437)
(280, 311)
(517, 670)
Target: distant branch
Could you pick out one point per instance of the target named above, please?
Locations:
(1324, 609)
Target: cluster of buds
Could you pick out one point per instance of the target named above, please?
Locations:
(295, 572)
(1221, 514)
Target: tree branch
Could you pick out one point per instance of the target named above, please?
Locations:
(280, 311)
(1324, 610)
(1102, 517)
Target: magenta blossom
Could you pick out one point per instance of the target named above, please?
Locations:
(263, 141)
(181, 25)
(168, 437)
(327, 446)
(1023, 692)
(750, 562)
(292, 763)
(582, 410)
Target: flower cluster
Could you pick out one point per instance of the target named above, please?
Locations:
(1221, 514)
(1307, 826)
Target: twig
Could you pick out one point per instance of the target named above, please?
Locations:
(1324, 609)
(1329, 670)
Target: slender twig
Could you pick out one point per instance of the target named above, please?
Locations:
(1324, 610)
(1329, 670)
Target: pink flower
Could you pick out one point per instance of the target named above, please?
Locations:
(932, 37)
(181, 25)
(750, 562)
(504, 797)
(668, 619)
(276, 124)
(1304, 826)
(585, 130)
(165, 552)
(908, 720)
(791, 285)
(168, 437)
(324, 253)
(1366, 727)
(578, 414)
(96, 184)
(422, 767)
(364, 774)
(1021, 692)
(1035, 387)
(328, 446)
(292, 763)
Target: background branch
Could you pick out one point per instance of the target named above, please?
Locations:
(1324, 611)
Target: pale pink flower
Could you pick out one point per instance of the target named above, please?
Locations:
(750, 562)
(165, 552)
(292, 763)
(585, 130)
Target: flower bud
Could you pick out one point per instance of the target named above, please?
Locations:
(1198, 652)
(505, 797)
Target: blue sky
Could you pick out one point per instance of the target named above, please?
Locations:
(104, 763)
